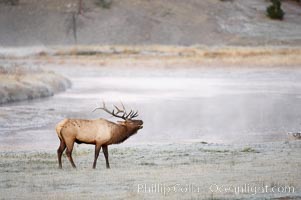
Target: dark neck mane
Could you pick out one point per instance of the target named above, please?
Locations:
(120, 133)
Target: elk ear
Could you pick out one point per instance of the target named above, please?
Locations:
(121, 122)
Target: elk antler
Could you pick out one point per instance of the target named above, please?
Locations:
(131, 115)
(114, 113)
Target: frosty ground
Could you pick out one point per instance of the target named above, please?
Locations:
(136, 169)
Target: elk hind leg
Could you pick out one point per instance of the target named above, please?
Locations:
(60, 151)
(70, 144)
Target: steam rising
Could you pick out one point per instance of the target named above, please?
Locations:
(176, 104)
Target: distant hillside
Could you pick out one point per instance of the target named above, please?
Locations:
(139, 22)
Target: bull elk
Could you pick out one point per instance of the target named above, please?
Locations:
(99, 132)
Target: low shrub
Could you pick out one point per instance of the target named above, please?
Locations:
(275, 11)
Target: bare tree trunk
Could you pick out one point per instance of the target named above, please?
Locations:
(74, 27)
(80, 7)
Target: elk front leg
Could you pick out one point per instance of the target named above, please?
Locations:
(106, 154)
(97, 149)
(60, 151)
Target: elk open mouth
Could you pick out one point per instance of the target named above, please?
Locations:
(141, 126)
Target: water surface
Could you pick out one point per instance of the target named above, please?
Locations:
(177, 105)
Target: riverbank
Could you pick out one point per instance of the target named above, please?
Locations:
(186, 170)
(162, 55)
(19, 83)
